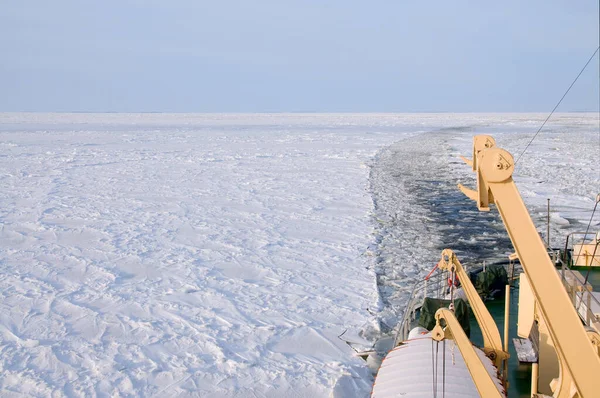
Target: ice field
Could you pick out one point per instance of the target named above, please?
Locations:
(221, 255)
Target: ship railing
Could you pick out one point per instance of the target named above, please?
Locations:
(434, 286)
(584, 299)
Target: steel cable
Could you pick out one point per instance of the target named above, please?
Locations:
(559, 102)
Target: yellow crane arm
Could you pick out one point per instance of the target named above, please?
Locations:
(486, 386)
(494, 182)
(492, 344)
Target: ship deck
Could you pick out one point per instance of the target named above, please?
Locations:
(519, 374)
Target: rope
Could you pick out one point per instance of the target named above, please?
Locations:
(444, 370)
(559, 102)
(437, 361)
(431, 272)
(433, 384)
(452, 287)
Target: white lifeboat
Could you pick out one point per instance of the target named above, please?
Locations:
(416, 369)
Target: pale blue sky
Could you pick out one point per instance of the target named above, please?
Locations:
(278, 56)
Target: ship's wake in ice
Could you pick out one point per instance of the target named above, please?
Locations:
(419, 212)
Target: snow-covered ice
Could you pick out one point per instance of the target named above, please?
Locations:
(223, 255)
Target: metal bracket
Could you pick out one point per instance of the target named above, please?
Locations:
(483, 144)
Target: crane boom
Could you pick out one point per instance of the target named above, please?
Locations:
(578, 357)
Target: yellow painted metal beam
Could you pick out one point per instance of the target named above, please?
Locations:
(486, 386)
(492, 345)
(578, 356)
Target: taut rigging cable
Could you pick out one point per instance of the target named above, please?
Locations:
(559, 102)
